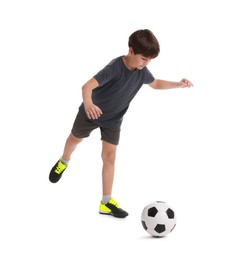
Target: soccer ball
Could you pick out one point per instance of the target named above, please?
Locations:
(158, 219)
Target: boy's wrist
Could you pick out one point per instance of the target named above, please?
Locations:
(87, 102)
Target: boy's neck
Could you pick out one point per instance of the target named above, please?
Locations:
(127, 61)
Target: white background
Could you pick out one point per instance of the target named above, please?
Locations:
(173, 147)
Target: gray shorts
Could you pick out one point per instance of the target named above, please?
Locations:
(83, 126)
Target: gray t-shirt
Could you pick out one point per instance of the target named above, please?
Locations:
(117, 87)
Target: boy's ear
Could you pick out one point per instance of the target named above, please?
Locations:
(131, 51)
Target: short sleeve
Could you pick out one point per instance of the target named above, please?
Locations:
(107, 74)
(148, 77)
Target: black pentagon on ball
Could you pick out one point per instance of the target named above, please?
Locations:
(159, 228)
(170, 213)
(152, 212)
(144, 225)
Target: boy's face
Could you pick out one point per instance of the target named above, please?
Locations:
(138, 61)
(141, 61)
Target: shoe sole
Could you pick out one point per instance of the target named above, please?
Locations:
(54, 178)
(111, 214)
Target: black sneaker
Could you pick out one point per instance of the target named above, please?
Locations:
(112, 208)
(57, 171)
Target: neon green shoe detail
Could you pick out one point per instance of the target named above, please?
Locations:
(112, 208)
(104, 209)
(57, 171)
(60, 167)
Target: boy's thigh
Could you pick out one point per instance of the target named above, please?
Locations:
(110, 135)
(82, 126)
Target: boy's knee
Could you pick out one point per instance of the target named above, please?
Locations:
(108, 156)
(74, 139)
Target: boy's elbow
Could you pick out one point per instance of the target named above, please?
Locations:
(84, 87)
(91, 84)
(155, 84)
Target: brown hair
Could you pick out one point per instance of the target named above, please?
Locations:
(145, 43)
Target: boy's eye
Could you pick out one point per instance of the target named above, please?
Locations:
(145, 59)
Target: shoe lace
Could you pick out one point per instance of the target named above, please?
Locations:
(59, 168)
(115, 203)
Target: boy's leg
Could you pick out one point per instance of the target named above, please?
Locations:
(108, 157)
(59, 168)
(82, 128)
(70, 146)
(108, 205)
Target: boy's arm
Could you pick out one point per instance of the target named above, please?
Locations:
(164, 84)
(92, 111)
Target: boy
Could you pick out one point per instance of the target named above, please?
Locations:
(106, 98)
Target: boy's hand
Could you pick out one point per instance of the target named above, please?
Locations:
(92, 111)
(184, 83)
